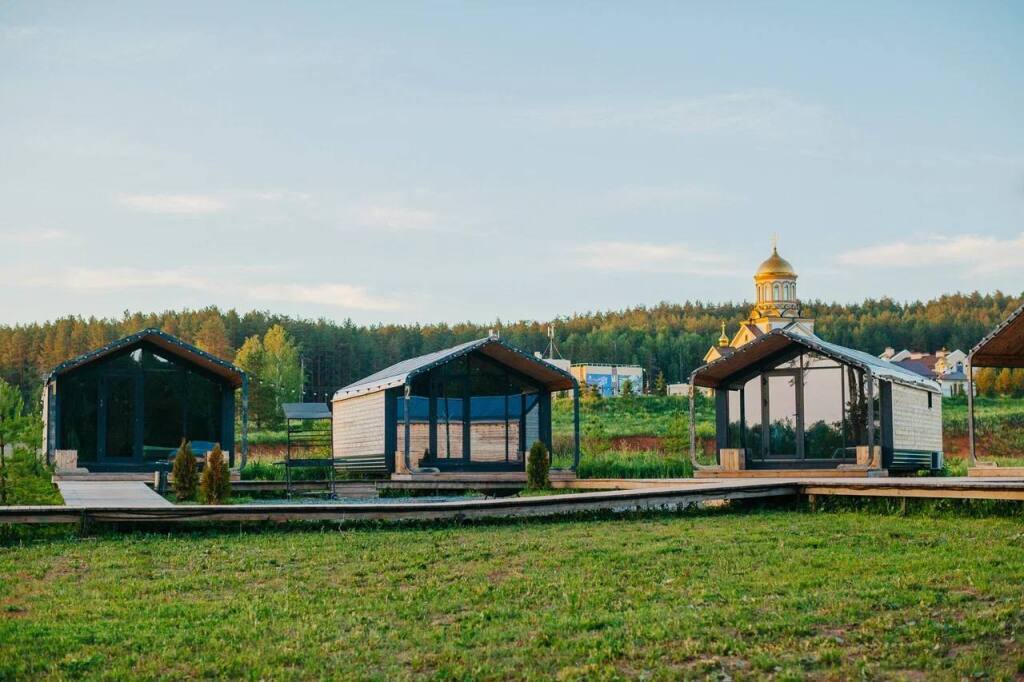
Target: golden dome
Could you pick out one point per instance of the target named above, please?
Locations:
(776, 266)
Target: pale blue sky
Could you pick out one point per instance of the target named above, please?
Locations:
(450, 161)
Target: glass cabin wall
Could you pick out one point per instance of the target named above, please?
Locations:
(807, 407)
(481, 412)
(137, 407)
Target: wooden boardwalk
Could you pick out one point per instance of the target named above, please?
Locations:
(631, 495)
(98, 494)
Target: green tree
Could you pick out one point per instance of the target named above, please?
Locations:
(252, 358)
(215, 483)
(282, 371)
(185, 472)
(1004, 382)
(985, 380)
(660, 385)
(12, 423)
(1018, 383)
(538, 467)
(213, 337)
(626, 390)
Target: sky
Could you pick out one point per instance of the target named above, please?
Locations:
(427, 162)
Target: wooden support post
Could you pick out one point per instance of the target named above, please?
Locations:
(432, 419)
(871, 410)
(408, 427)
(721, 421)
(245, 420)
(693, 427)
(972, 456)
(576, 427)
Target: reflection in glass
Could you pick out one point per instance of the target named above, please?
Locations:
(120, 405)
(782, 416)
(823, 412)
(79, 396)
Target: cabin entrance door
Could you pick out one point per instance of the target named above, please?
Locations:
(782, 395)
(119, 422)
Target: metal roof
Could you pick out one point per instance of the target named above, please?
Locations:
(398, 374)
(1004, 346)
(163, 340)
(720, 371)
(306, 410)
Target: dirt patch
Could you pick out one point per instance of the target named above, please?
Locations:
(267, 452)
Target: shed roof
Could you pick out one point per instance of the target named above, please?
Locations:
(551, 377)
(166, 342)
(778, 341)
(1004, 346)
(306, 410)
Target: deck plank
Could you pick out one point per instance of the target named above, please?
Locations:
(95, 494)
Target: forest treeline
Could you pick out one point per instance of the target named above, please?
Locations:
(670, 338)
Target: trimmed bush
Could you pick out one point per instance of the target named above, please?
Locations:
(185, 473)
(538, 466)
(215, 486)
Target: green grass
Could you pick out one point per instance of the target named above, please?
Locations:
(638, 416)
(632, 464)
(784, 593)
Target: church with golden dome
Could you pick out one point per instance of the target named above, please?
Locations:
(776, 307)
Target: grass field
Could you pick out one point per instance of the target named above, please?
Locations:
(785, 593)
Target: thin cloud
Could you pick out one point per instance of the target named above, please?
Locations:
(327, 294)
(175, 204)
(397, 217)
(682, 196)
(32, 236)
(613, 256)
(974, 254)
(762, 112)
(232, 281)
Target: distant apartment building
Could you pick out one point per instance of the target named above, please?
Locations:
(609, 379)
(945, 367)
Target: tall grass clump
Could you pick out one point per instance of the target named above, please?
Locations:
(185, 472)
(641, 464)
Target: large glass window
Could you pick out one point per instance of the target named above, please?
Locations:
(164, 403)
(782, 414)
(499, 409)
(120, 408)
(79, 400)
(204, 408)
(139, 393)
(823, 408)
(809, 406)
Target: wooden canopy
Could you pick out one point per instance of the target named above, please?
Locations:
(1004, 347)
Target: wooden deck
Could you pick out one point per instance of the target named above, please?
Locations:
(982, 471)
(791, 473)
(99, 494)
(660, 494)
(466, 480)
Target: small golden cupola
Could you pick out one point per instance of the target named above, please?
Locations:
(723, 340)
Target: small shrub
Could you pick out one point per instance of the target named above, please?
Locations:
(215, 486)
(185, 472)
(538, 467)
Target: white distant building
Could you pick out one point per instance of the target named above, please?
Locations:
(683, 389)
(945, 367)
